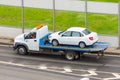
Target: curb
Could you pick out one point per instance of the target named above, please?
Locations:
(6, 41)
(2, 43)
(111, 53)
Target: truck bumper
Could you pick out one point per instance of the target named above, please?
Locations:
(14, 47)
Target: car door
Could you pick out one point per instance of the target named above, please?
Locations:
(65, 38)
(76, 37)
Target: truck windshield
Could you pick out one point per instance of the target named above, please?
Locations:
(86, 32)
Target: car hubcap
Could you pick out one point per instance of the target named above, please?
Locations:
(55, 43)
(82, 45)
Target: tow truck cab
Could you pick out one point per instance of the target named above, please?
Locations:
(30, 41)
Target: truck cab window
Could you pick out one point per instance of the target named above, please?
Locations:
(31, 35)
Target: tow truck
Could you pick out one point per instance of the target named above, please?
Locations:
(36, 41)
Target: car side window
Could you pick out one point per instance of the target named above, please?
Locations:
(76, 34)
(67, 34)
(31, 35)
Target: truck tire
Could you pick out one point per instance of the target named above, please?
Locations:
(77, 56)
(70, 55)
(22, 50)
(55, 42)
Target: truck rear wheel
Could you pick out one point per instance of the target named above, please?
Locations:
(70, 55)
(22, 50)
(77, 56)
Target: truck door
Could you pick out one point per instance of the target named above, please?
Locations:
(31, 41)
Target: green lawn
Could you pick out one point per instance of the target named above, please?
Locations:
(101, 23)
(116, 1)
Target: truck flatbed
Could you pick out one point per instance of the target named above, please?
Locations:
(97, 47)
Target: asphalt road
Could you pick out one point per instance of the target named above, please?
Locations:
(55, 67)
(17, 73)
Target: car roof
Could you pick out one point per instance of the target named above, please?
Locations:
(79, 29)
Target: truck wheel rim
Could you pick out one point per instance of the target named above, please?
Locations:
(69, 56)
(21, 51)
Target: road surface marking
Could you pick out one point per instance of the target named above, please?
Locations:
(117, 76)
(10, 63)
(68, 70)
(85, 79)
(43, 67)
(91, 73)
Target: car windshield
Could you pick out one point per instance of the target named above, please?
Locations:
(60, 32)
(86, 32)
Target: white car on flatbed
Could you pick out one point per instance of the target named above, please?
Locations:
(79, 36)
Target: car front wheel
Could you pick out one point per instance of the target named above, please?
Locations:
(55, 42)
(82, 45)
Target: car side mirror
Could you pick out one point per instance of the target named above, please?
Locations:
(24, 36)
(62, 35)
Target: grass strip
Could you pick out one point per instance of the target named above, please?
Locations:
(100, 23)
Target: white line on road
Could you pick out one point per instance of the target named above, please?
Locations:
(66, 70)
(117, 76)
(57, 68)
(10, 63)
(43, 67)
(91, 73)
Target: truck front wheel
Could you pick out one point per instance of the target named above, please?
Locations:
(22, 50)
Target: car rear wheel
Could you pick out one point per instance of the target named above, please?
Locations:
(82, 45)
(55, 42)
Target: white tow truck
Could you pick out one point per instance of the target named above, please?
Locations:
(36, 41)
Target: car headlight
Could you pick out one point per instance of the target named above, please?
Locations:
(49, 37)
